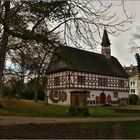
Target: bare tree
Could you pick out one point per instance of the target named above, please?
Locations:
(4, 43)
(79, 22)
(30, 61)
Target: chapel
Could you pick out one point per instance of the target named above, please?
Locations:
(99, 78)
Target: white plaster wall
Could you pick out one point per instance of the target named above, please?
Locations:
(67, 102)
(135, 86)
(93, 94)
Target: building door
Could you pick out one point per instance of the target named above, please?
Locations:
(102, 98)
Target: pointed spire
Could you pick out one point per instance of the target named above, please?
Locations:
(106, 45)
(105, 40)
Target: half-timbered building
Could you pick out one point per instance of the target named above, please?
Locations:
(100, 76)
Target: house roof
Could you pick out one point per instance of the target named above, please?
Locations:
(81, 60)
(131, 70)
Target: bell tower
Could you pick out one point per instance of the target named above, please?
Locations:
(106, 45)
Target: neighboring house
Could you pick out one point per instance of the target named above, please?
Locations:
(100, 76)
(134, 81)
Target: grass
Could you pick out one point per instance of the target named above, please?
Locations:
(131, 130)
(97, 130)
(39, 109)
(89, 130)
(106, 130)
(99, 111)
(32, 108)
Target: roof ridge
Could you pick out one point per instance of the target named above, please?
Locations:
(86, 51)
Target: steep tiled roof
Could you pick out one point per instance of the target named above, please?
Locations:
(80, 60)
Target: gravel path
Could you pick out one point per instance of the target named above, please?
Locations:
(7, 120)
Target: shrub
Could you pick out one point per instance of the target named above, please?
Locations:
(134, 99)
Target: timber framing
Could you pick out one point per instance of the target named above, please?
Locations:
(69, 80)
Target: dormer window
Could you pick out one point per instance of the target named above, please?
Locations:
(56, 81)
(81, 80)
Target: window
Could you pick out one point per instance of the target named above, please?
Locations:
(132, 90)
(115, 94)
(81, 80)
(56, 81)
(132, 83)
(121, 83)
(102, 82)
(55, 94)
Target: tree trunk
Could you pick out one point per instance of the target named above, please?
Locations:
(3, 47)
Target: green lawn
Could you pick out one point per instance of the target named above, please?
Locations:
(101, 130)
(32, 108)
(131, 130)
(114, 130)
(39, 109)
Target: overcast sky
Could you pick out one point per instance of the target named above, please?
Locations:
(120, 45)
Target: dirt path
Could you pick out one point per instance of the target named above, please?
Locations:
(7, 120)
(15, 127)
(54, 131)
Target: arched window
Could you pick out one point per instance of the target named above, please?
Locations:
(102, 98)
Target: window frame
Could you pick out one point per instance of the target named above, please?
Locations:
(102, 82)
(115, 94)
(121, 83)
(81, 80)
